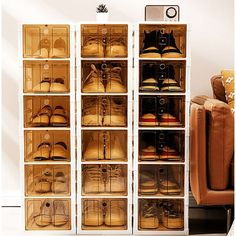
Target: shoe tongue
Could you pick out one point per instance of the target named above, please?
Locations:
(44, 144)
(93, 67)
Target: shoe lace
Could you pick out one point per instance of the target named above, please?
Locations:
(149, 209)
(116, 171)
(113, 74)
(94, 74)
(93, 173)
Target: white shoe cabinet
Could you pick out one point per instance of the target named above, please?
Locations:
(104, 156)
(47, 141)
(104, 141)
(161, 150)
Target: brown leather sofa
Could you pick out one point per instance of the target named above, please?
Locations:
(211, 148)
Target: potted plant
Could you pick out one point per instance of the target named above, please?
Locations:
(102, 13)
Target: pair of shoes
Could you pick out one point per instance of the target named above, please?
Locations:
(156, 79)
(149, 153)
(104, 111)
(102, 47)
(151, 183)
(46, 182)
(149, 215)
(172, 218)
(157, 44)
(45, 117)
(108, 213)
(45, 49)
(104, 146)
(154, 214)
(166, 119)
(52, 212)
(103, 179)
(93, 83)
(47, 151)
(53, 86)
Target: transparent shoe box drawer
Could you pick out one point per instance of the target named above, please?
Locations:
(105, 76)
(161, 214)
(104, 111)
(109, 145)
(104, 214)
(47, 214)
(162, 76)
(47, 180)
(104, 179)
(164, 111)
(46, 111)
(104, 40)
(161, 145)
(162, 41)
(46, 41)
(161, 180)
(46, 76)
(46, 145)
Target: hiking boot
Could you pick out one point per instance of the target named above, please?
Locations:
(91, 111)
(93, 82)
(93, 47)
(114, 82)
(116, 48)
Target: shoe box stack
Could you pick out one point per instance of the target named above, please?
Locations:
(104, 121)
(117, 161)
(48, 133)
(160, 128)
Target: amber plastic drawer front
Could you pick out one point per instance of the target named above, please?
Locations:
(161, 214)
(47, 180)
(163, 111)
(161, 180)
(47, 214)
(43, 146)
(46, 111)
(104, 214)
(46, 76)
(161, 145)
(162, 41)
(107, 145)
(162, 76)
(104, 41)
(105, 76)
(104, 179)
(108, 111)
(46, 41)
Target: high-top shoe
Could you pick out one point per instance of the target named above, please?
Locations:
(149, 81)
(116, 181)
(94, 150)
(114, 150)
(171, 50)
(150, 46)
(92, 213)
(148, 215)
(115, 112)
(167, 79)
(91, 112)
(60, 216)
(93, 47)
(115, 214)
(93, 179)
(93, 82)
(114, 82)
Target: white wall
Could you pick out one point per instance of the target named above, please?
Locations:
(211, 45)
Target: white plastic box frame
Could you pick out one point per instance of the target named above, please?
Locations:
(71, 129)
(80, 129)
(137, 128)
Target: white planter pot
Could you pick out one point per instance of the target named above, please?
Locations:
(101, 16)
